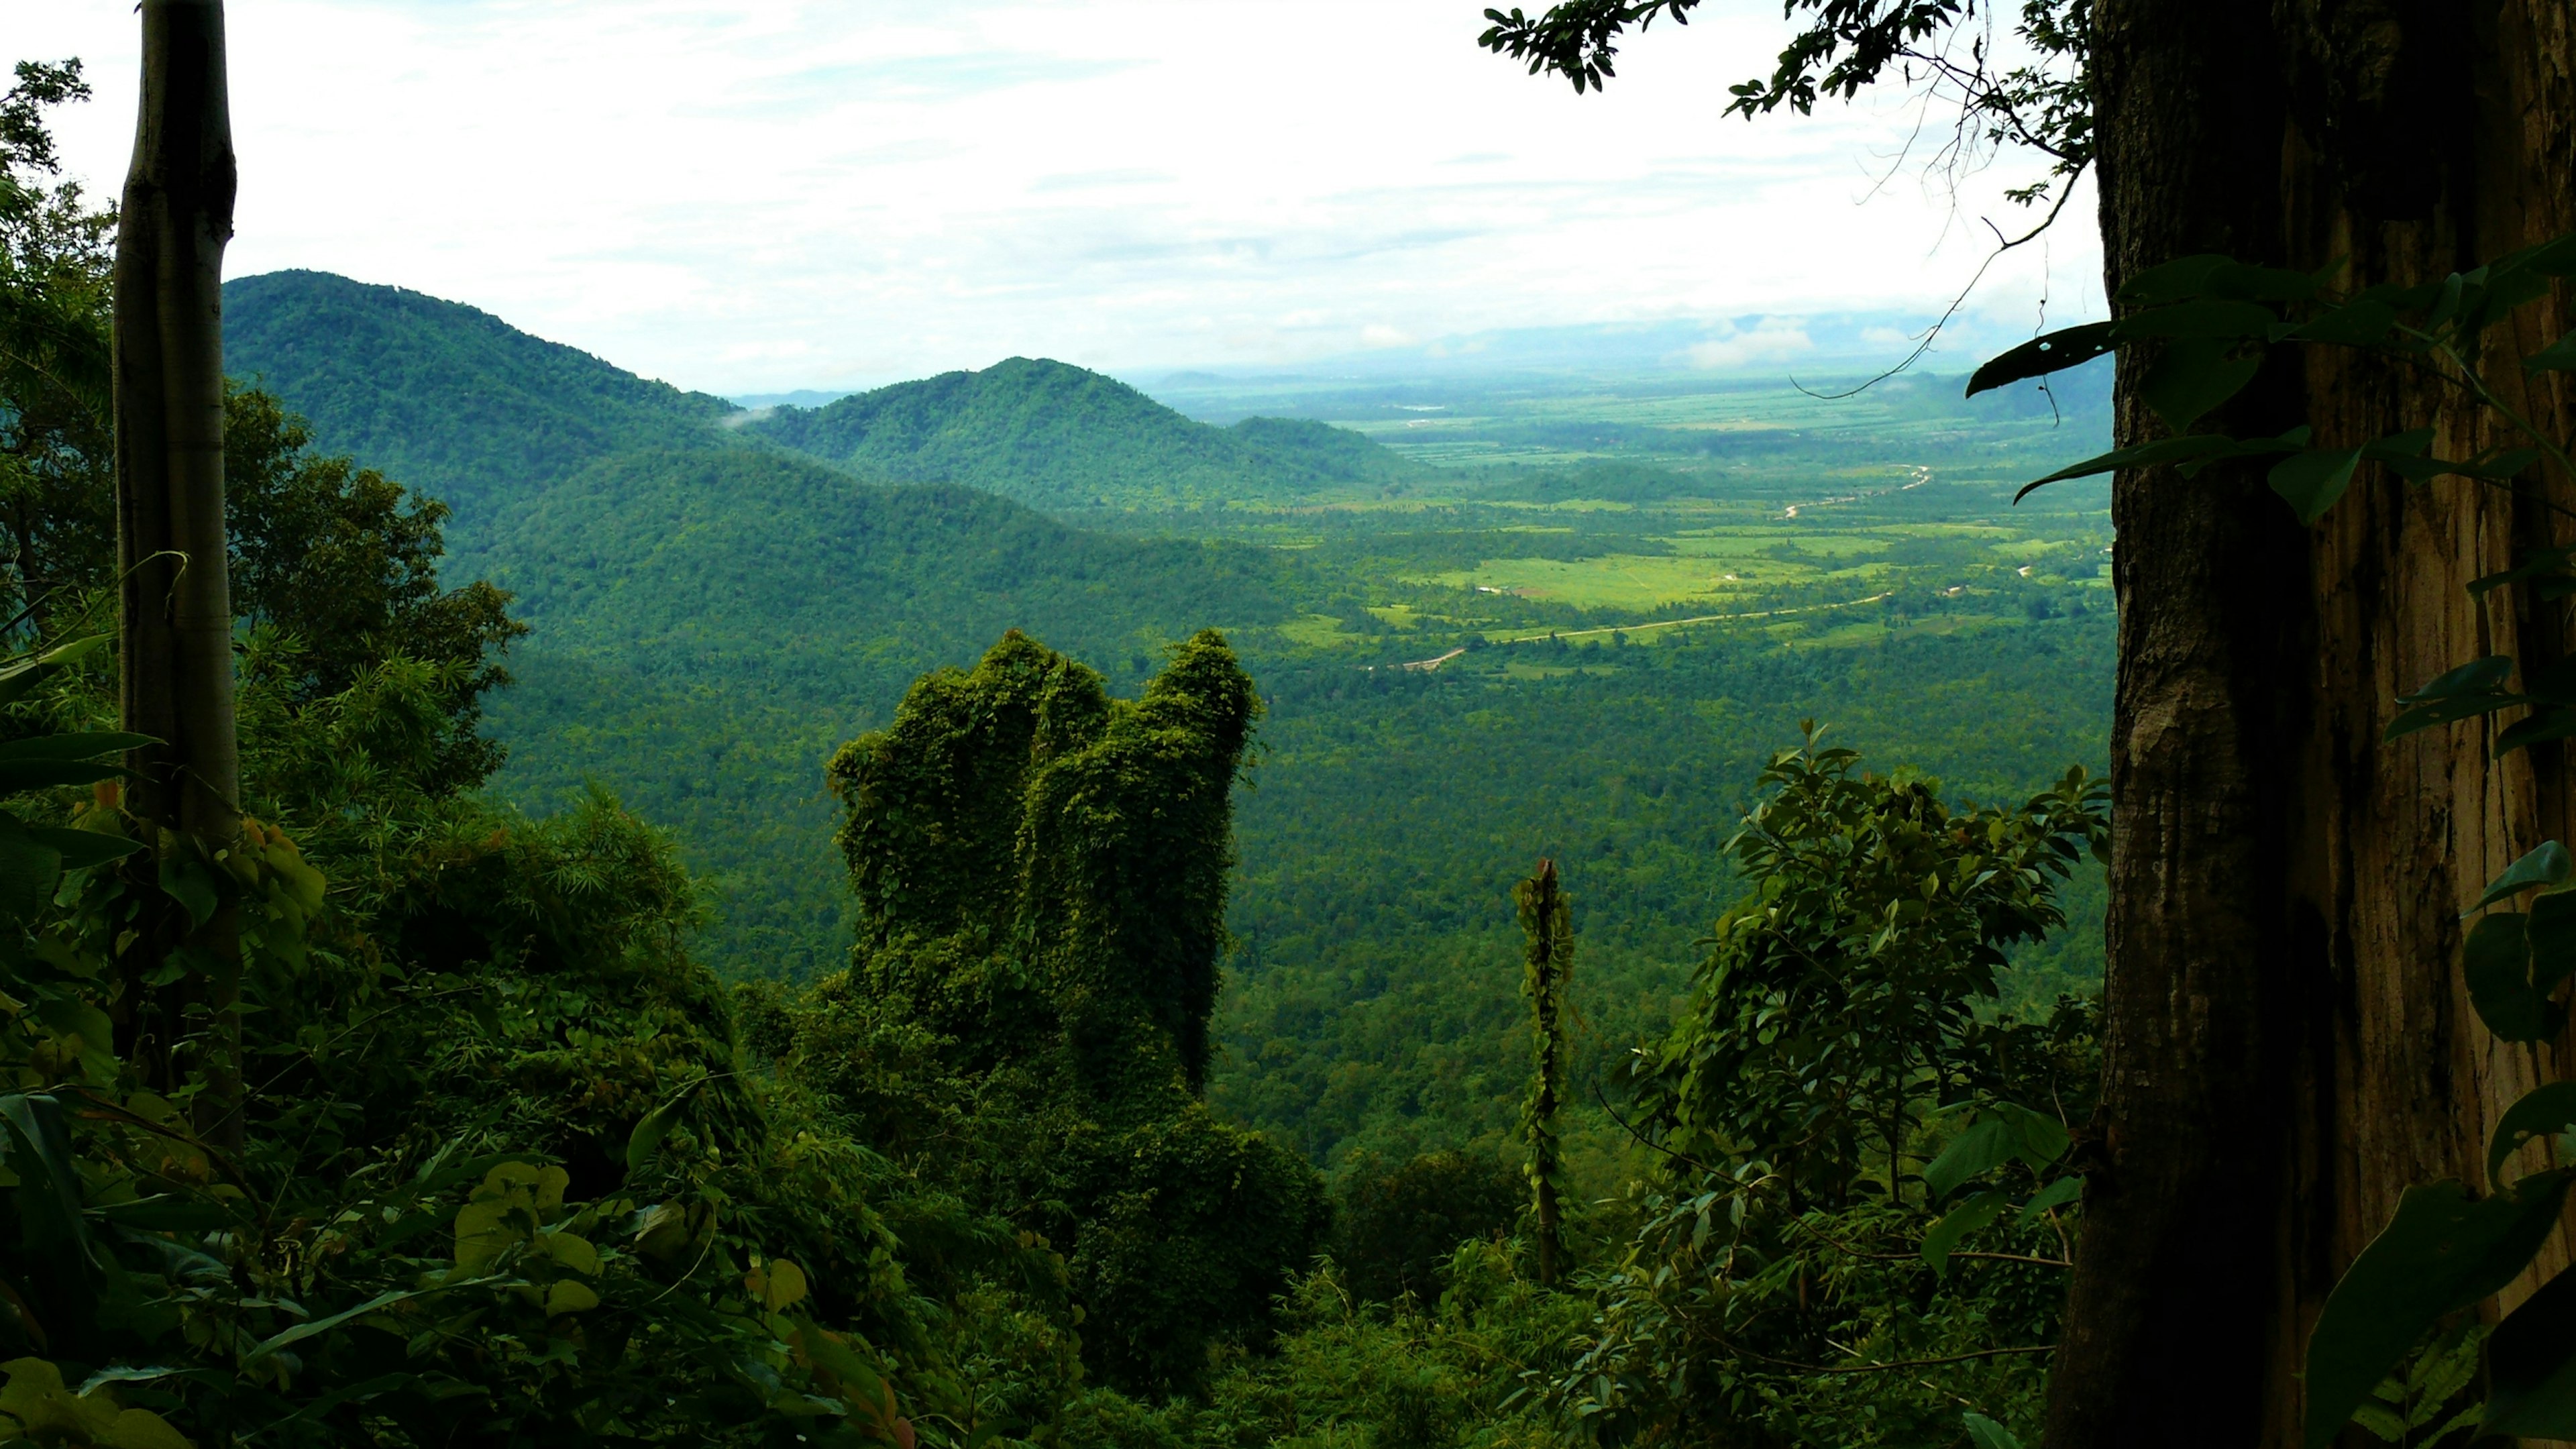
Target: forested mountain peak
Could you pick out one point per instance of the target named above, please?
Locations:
(1059, 436)
(447, 397)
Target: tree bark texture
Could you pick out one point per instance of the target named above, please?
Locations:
(171, 550)
(2287, 1042)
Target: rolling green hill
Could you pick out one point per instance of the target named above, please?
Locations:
(1061, 438)
(449, 399)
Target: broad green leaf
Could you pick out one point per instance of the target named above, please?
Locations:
(2191, 375)
(17, 777)
(29, 869)
(782, 1284)
(2539, 563)
(2313, 480)
(40, 1152)
(2558, 356)
(2043, 355)
(2404, 454)
(2357, 323)
(2497, 463)
(2550, 929)
(647, 1137)
(569, 1296)
(2478, 676)
(1988, 1143)
(187, 881)
(2057, 1194)
(2246, 281)
(2496, 963)
(2446, 711)
(2542, 1112)
(2443, 1251)
(2545, 865)
(2197, 448)
(572, 1251)
(2531, 1366)
(1985, 1433)
(87, 745)
(48, 1411)
(143, 1429)
(1960, 1221)
(73, 1016)
(2043, 1139)
(18, 678)
(81, 849)
(2470, 690)
(2174, 281)
(2552, 722)
(2209, 318)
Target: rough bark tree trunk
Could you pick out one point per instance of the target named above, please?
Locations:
(177, 608)
(2287, 1042)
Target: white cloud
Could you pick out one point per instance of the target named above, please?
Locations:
(1769, 339)
(821, 193)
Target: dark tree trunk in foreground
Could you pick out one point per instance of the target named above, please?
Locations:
(177, 644)
(2288, 1045)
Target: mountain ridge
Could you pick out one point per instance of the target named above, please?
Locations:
(1062, 437)
(392, 375)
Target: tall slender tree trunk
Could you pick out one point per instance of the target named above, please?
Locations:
(2288, 1045)
(177, 644)
(1547, 922)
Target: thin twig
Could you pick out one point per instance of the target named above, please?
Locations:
(1641, 1137)
(1874, 1368)
(2004, 245)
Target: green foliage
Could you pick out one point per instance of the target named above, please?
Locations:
(1060, 437)
(1834, 1029)
(54, 364)
(1396, 1225)
(1374, 1008)
(426, 1238)
(1449, 1372)
(344, 562)
(1040, 872)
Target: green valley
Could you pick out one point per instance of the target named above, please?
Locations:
(1558, 622)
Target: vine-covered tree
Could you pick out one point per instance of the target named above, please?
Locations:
(1041, 880)
(1547, 929)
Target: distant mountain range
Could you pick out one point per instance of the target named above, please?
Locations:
(457, 402)
(1059, 436)
(715, 609)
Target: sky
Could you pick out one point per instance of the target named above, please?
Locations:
(787, 194)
